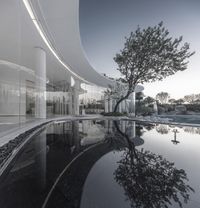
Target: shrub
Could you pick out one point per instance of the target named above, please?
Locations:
(144, 110)
(193, 107)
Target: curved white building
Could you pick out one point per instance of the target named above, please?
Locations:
(42, 62)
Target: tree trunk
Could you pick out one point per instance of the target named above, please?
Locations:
(131, 145)
(120, 100)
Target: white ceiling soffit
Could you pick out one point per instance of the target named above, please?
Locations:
(58, 24)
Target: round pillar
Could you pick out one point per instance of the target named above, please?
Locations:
(106, 103)
(110, 105)
(132, 107)
(76, 97)
(120, 107)
(40, 83)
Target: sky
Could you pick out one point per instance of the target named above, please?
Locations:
(104, 24)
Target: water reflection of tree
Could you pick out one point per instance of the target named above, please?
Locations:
(162, 129)
(149, 127)
(192, 130)
(149, 180)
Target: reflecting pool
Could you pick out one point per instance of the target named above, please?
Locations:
(105, 164)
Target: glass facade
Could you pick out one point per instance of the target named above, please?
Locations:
(92, 99)
(30, 87)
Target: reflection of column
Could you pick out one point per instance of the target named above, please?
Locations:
(40, 83)
(132, 107)
(76, 137)
(110, 126)
(106, 124)
(76, 97)
(132, 130)
(110, 105)
(106, 103)
(85, 126)
(40, 160)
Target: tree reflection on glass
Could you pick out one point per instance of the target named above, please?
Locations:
(149, 180)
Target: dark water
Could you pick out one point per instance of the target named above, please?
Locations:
(105, 164)
(192, 119)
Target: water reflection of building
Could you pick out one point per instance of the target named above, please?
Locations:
(93, 132)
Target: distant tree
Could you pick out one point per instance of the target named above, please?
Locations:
(162, 97)
(197, 101)
(189, 98)
(150, 55)
(179, 101)
(149, 100)
(172, 101)
(197, 96)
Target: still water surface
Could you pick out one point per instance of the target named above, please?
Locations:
(105, 164)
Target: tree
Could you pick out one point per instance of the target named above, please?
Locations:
(172, 101)
(115, 91)
(149, 100)
(162, 97)
(197, 96)
(179, 101)
(150, 55)
(190, 98)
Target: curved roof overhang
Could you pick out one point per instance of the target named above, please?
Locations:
(58, 25)
(53, 26)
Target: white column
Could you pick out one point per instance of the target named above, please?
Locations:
(40, 83)
(123, 126)
(123, 106)
(76, 97)
(120, 107)
(110, 105)
(106, 103)
(70, 104)
(132, 107)
(155, 108)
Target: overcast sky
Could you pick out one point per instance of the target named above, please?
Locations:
(105, 23)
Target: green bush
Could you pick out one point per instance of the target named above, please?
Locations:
(166, 108)
(144, 110)
(193, 107)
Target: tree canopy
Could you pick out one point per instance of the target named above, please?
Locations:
(150, 54)
(162, 97)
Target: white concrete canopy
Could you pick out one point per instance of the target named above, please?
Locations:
(24, 23)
